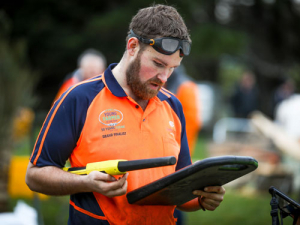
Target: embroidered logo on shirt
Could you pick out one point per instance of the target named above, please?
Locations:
(172, 128)
(110, 117)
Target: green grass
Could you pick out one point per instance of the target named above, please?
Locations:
(237, 209)
(23, 147)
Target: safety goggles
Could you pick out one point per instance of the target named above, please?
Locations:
(166, 45)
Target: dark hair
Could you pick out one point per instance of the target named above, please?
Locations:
(159, 21)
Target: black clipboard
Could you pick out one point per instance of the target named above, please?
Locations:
(177, 188)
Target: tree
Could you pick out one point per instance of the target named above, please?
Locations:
(263, 34)
(272, 28)
(16, 84)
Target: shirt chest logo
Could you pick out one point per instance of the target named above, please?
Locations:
(110, 117)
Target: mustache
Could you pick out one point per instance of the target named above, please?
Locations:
(156, 80)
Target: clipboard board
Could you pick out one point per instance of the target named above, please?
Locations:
(177, 188)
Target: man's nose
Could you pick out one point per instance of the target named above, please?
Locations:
(164, 75)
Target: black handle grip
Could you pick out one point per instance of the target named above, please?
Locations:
(124, 166)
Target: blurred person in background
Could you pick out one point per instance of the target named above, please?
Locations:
(284, 91)
(245, 96)
(123, 114)
(287, 118)
(187, 92)
(90, 63)
(287, 115)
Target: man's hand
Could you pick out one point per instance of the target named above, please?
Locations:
(106, 184)
(52, 180)
(211, 197)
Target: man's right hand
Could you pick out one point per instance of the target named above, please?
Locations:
(52, 180)
(106, 184)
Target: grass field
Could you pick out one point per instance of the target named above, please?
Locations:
(239, 206)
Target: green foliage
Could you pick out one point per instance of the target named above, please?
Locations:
(230, 74)
(16, 81)
(16, 84)
(55, 33)
(294, 74)
(211, 40)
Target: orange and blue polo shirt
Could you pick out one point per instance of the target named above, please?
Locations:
(96, 120)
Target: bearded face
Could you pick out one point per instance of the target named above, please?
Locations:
(140, 89)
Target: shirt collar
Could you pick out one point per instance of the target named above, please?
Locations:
(111, 82)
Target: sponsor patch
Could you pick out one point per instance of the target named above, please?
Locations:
(110, 117)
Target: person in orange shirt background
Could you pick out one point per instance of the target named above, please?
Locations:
(187, 91)
(90, 63)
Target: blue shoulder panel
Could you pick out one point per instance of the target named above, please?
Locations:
(63, 125)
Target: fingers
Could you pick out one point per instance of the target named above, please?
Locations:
(211, 191)
(117, 184)
(210, 204)
(216, 189)
(211, 197)
(107, 184)
(118, 188)
(102, 176)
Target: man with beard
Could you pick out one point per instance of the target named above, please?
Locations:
(123, 114)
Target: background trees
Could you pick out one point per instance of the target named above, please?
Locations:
(260, 34)
(16, 83)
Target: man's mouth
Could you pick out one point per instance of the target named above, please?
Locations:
(155, 85)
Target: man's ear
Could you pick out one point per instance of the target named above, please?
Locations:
(133, 46)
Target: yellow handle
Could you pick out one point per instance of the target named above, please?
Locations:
(109, 167)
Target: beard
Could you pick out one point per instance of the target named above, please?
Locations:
(140, 89)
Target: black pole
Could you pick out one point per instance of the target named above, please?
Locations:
(274, 208)
(130, 165)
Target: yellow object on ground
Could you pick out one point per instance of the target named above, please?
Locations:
(16, 180)
(23, 122)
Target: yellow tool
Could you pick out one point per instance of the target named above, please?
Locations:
(121, 166)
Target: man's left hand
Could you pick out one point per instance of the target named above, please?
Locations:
(211, 197)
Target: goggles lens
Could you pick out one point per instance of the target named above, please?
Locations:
(186, 47)
(169, 45)
(166, 45)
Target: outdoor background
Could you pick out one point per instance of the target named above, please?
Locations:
(40, 41)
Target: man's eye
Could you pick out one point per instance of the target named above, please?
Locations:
(158, 64)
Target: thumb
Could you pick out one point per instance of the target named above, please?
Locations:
(102, 176)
